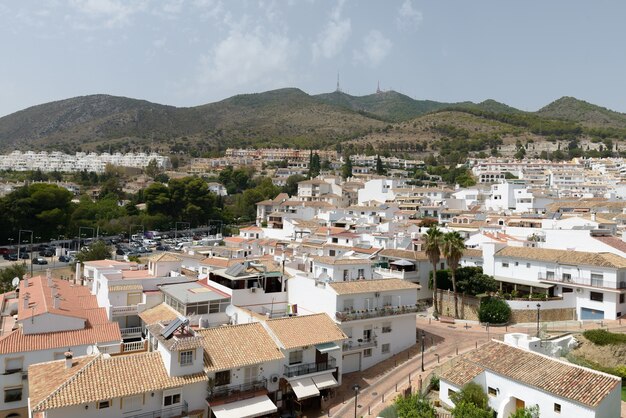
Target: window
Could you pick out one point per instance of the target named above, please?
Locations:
(222, 378)
(442, 266)
(346, 274)
(597, 280)
(13, 365)
(103, 404)
(567, 290)
(386, 348)
(597, 296)
(367, 352)
(348, 304)
(386, 328)
(295, 357)
(505, 265)
(361, 273)
(331, 253)
(557, 408)
(171, 399)
(492, 391)
(621, 298)
(451, 392)
(516, 263)
(550, 275)
(13, 394)
(186, 358)
(386, 300)
(527, 265)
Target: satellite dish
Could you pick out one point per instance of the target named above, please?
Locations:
(89, 350)
(230, 311)
(323, 277)
(15, 282)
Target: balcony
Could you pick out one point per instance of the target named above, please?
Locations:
(396, 274)
(135, 346)
(174, 411)
(378, 312)
(583, 281)
(124, 310)
(132, 332)
(307, 368)
(361, 343)
(234, 393)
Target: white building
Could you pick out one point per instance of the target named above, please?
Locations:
(515, 378)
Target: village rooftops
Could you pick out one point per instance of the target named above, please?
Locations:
(607, 260)
(193, 292)
(404, 254)
(235, 346)
(341, 261)
(160, 313)
(305, 330)
(96, 378)
(369, 286)
(559, 378)
(183, 338)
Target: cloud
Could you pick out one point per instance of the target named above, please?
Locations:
(332, 39)
(375, 49)
(106, 13)
(409, 17)
(247, 58)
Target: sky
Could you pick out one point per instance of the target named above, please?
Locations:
(191, 52)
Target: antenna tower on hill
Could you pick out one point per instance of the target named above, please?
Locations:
(338, 87)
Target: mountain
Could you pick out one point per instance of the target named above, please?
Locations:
(389, 106)
(570, 108)
(488, 105)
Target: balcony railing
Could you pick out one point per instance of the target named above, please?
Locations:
(359, 344)
(378, 312)
(134, 346)
(174, 411)
(302, 369)
(124, 310)
(396, 274)
(236, 392)
(584, 281)
(131, 332)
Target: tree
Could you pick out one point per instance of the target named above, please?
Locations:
(468, 410)
(380, 168)
(96, 251)
(346, 170)
(152, 169)
(472, 393)
(291, 185)
(528, 412)
(314, 165)
(494, 311)
(414, 406)
(432, 247)
(7, 275)
(452, 248)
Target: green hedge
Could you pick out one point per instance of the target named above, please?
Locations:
(494, 311)
(604, 337)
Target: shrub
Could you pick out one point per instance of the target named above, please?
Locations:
(414, 406)
(434, 382)
(604, 337)
(471, 393)
(494, 311)
(469, 410)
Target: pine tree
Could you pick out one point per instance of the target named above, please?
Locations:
(346, 170)
(380, 169)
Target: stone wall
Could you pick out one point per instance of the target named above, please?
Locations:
(468, 306)
(529, 315)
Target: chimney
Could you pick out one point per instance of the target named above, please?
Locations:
(56, 302)
(49, 277)
(593, 216)
(26, 277)
(54, 290)
(77, 277)
(26, 300)
(68, 359)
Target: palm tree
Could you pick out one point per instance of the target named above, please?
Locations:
(432, 247)
(452, 248)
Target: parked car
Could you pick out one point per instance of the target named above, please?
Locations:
(47, 253)
(4, 250)
(162, 247)
(25, 255)
(65, 258)
(40, 260)
(12, 257)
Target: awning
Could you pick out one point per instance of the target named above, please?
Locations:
(303, 388)
(248, 408)
(326, 347)
(324, 381)
(524, 282)
(402, 262)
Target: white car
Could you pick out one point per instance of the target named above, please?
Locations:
(149, 242)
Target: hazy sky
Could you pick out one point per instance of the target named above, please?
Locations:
(190, 52)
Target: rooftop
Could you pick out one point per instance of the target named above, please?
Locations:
(564, 256)
(304, 330)
(369, 286)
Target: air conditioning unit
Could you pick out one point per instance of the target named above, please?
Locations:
(274, 378)
(253, 289)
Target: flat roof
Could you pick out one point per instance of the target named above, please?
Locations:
(191, 292)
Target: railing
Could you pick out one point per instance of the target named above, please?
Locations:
(378, 312)
(301, 369)
(134, 346)
(130, 332)
(124, 310)
(585, 281)
(359, 344)
(236, 392)
(397, 274)
(174, 411)
(110, 349)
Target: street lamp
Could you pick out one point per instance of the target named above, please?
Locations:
(356, 397)
(19, 242)
(538, 313)
(422, 350)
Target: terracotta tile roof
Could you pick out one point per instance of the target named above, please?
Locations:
(461, 373)
(96, 378)
(405, 254)
(368, 286)
(216, 261)
(164, 257)
(234, 346)
(557, 377)
(471, 252)
(162, 312)
(182, 339)
(251, 228)
(108, 263)
(17, 341)
(137, 274)
(72, 302)
(341, 261)
(125, 287)
(300, 331)
(614, 242)
(564, 256)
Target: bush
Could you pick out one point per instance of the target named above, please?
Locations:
(494, 311)
(414, 406)
(604, 337)
(468, 410)
(434, 382)
(471, 393)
